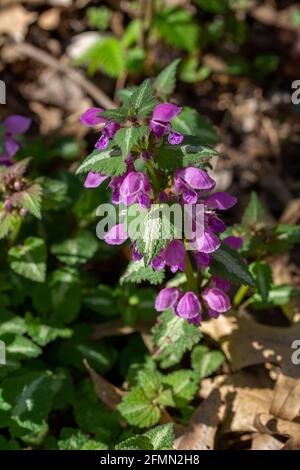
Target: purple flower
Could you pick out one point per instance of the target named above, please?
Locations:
(222, 284)
(116, 235)
(173, 256)
(167, 298)
(13, 126)
(221, 201)
(160, 123)
(91, 118)
(203, 259)
(93, 180)
(234, 242)
(216, 300)
(190, 179)
(136, 255)
(135, 188)
(189, 308)
(207, 243)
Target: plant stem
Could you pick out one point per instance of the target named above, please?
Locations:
(191, 280)
(240, 295)
(153, 176)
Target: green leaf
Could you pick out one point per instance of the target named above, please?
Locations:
(172, 337)
(135, 443)
(104, 162)
(30, 199)
(262, 274)
(162, 437)
(8, 222)
(65, 295)
(138, 409)
(214, 6)
(142, 101)
(76, 251)
(228, 264)
(205, 362)
(189, 122)
(155, 229)
(30, 399)
(74, 439)
(254, 216)
(278, 295)
(128, 137)
(29, 259)
(42, 333)
(99, 17)
(137, 273)
(166, 79)
(178, 28)
(117, 115)
(21, 347)
(284, 237)
(183, 385)
(107, 55)
(150, 381)
(172, 157)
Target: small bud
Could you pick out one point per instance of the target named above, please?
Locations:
(23, 212)
(145, 155)
(8, 205)
(18, 185)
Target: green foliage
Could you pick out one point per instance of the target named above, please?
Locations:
(29, 259)
(172, 337)
(165, 82)
(228, 264)
(137, 272)
(128, 137)
(158, 438)
(205, 362)
(103, 162)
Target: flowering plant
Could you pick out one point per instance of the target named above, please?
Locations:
(150, 155)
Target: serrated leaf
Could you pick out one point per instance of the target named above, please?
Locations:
(138, 409)
(107, 55)
(137, 273)
(183, 384)
(150, 381)
(166, 79)
(117, 115)
(161, 437)
(30, 199)
(262, 274)
(74, 439)
(21, 347)
(42, 333)
(29, 259)
(254, 216)
(142, 100)
(205, 362)
(228, 264)
(128, 137)
(106, 162)
(135, 443)
(8, 222)
(172, 337)
(172, 157)
(178, 28)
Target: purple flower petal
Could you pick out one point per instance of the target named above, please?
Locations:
(174, 138)
(158, 128)
(234, 242)
(116, 235)
(11, 146)
(16, 124)
(189, 306)
(158, 263)
(189, 196)
(175, 255)
(203, 259)
(196, 178)
(167, 298)
(103, 142)
(221, 201)
(222, 284)
(213, 313)
(91, 117)
(216, 224)
(216, 299)
(136, 255)
(208, 243)
(165, 112)
(93, 180)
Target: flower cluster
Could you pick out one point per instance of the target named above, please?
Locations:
(13, 126)
(189, 185)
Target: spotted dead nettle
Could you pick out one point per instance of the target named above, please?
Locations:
(140, 134)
